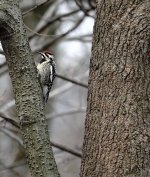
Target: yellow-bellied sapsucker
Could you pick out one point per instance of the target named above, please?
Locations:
(46, 72)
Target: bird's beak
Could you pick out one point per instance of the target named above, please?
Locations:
(39, 53)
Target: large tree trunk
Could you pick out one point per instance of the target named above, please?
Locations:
(117, 128)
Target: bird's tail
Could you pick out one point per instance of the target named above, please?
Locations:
(47, 93)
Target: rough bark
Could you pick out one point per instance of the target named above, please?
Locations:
(117, 127)
(27, 91)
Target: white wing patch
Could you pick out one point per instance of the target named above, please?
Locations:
(51, 73)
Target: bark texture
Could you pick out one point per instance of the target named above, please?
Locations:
(117, 127)
(27, 91)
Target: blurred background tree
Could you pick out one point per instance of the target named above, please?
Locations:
(64, 27)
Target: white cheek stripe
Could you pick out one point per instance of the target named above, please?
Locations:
(43, 55)
(50, 56)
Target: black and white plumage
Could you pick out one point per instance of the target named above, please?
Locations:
(46, 72)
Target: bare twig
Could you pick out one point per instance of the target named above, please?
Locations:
(66, 87)
(14, 123)
(39, 34)
(84, 38)
(72, 81)
(35, 7)
(66, 149)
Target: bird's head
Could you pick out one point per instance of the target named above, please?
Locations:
(46, 56)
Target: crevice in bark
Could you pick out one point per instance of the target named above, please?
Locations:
(5, 32)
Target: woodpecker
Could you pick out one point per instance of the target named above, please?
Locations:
(46, 73)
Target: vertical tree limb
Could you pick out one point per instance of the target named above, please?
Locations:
(27, 91)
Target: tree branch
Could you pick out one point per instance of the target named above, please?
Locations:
(11, 121)
(27, 91)
(64, 148)
(35, 7)
(72, 81)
